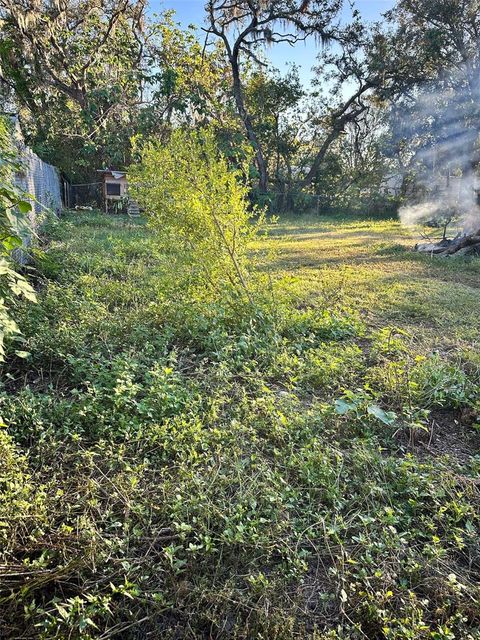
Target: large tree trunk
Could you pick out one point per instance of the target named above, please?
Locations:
(247, 121)
(319, 158)
(347, 112)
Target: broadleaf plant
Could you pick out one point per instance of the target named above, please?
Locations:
(14, 207)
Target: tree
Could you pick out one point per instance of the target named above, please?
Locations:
(88, 76)
(365, 177)
(443, 62)
(243, 26)
(274, 101)
(190, 85)
(75, 70)
(365, 76)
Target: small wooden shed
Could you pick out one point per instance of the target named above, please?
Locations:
(115, 193)
(115, 188)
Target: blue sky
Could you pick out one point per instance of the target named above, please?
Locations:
(303, 55)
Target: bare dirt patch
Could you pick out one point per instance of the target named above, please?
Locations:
(451, 434)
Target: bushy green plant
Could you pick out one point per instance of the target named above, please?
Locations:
(14, 205)
(441, 383)
(427, 382)
(198, 206)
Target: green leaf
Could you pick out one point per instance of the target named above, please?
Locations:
(24, 206)
(22, 354)
(342, 407)
(11, 242)
(387, 417)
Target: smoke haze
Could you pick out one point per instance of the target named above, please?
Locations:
(443, 129)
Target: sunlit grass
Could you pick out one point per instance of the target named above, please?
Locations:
(371, 265)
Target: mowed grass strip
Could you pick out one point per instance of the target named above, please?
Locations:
(371, 266)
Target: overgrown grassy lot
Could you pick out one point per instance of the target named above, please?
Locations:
(185, 471)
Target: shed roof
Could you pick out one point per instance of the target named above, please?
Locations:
(114, 173)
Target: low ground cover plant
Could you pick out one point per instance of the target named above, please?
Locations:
(229, 475)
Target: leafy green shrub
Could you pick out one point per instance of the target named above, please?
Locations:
(442, 383)
(13, 207)
(199, 208)
(425, 382)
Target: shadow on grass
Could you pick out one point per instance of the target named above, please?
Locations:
(299, 260)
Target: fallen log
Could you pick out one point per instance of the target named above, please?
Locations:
(432, 247)
(472, 250)
(461, 246)
(461, 243)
